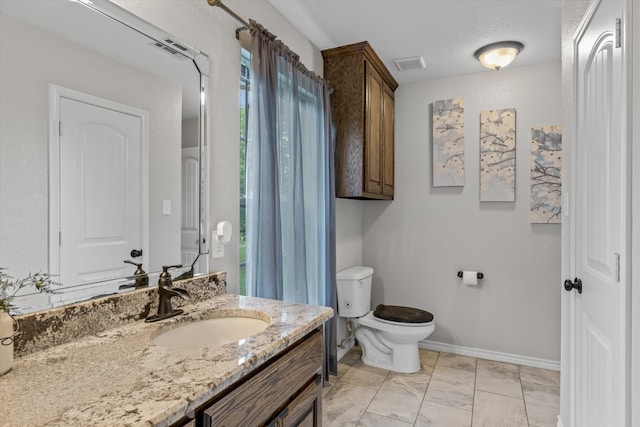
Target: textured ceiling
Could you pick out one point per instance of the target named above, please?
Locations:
(445, 32)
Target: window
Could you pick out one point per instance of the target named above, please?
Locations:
(244, 107)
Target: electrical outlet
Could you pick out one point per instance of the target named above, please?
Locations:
(217, 247)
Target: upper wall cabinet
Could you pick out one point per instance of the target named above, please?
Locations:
(363, 103)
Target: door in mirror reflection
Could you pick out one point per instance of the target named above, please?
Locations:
(102, 193)
(190, 229)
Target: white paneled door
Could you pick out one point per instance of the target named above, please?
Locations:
(101, 192)
(599, 335)
(190, 229)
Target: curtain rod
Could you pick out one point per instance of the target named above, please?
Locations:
(230, 12)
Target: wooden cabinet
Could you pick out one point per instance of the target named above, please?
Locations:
(286, 391)
(363, 112)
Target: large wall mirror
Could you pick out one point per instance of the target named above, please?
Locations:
(103, 154)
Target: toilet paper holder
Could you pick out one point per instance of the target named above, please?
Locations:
(479, 275)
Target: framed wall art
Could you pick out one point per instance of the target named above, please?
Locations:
(448, 143)
(498, 155)
(546, 185)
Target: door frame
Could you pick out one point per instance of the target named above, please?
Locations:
(569, 204)
(56, 92)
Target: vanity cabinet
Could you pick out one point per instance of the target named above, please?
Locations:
(363, 102)
(286, 391)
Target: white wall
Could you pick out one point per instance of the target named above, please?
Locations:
(213, 32)
(31, 59)
(417, 242)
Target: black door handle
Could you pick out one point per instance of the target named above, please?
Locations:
(576, 284)
(135, 253)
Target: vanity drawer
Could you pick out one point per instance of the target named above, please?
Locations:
(267, 392)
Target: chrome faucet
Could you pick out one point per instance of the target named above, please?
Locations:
(166, 291)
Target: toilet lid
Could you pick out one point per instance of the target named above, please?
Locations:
(396, 313)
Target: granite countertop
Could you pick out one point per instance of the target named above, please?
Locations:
(118, 377)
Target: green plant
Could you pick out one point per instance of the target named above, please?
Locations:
(10, 286)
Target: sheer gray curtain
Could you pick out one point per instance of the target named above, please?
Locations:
(290, 183)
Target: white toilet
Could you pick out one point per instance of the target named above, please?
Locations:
(386, 344)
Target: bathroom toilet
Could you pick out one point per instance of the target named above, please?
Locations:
(389, 335)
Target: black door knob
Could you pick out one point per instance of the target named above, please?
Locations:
(576, 284)
(135, 253)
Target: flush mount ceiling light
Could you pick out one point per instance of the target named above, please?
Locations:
(498, 55)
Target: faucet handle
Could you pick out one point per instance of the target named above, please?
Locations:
(142, 280)
(165, 278)
(134, 263)
(165, 273)
(167, 267)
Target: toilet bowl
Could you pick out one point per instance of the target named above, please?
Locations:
(385, 344)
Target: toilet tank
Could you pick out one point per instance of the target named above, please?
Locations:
(354, 291)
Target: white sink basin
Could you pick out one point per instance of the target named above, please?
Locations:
(224, 328)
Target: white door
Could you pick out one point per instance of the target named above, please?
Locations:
(599, 237)
(101, 200)
(190, 231)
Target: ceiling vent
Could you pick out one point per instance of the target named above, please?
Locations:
(172, 48)
(413, 63)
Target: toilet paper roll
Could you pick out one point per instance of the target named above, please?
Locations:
(470, 278)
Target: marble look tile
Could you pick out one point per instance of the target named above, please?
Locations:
(342, 369)
(352, 356)
(497, 377)
(400, 396)
(451, 387)
(434, 415)
(494, 410)
(428, 358)
(531, 375)
(542, 403)
(456, 361)
(364, 375)
(326, 389)
(373, 420)
(345, 403)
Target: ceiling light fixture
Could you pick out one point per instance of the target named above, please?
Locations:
(498, 55)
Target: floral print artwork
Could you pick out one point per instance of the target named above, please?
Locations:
(546, 160)
(498, 155)
(448, 143)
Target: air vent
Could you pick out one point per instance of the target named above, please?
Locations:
(413, 63)
(176, 45)
(170, 50)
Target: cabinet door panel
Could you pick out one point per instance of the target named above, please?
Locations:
(259, 398)
(373, 131)
(387, 142)
(305, 410)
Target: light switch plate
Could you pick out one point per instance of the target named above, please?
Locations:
(166, 207)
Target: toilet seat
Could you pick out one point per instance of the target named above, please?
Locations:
(402, 315)
(390, 326)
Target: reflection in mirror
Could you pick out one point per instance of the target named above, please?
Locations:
(103, 154)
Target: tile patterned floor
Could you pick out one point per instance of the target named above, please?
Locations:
(449, 391)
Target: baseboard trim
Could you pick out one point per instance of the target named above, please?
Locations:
(348, 345)
(491, 355)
